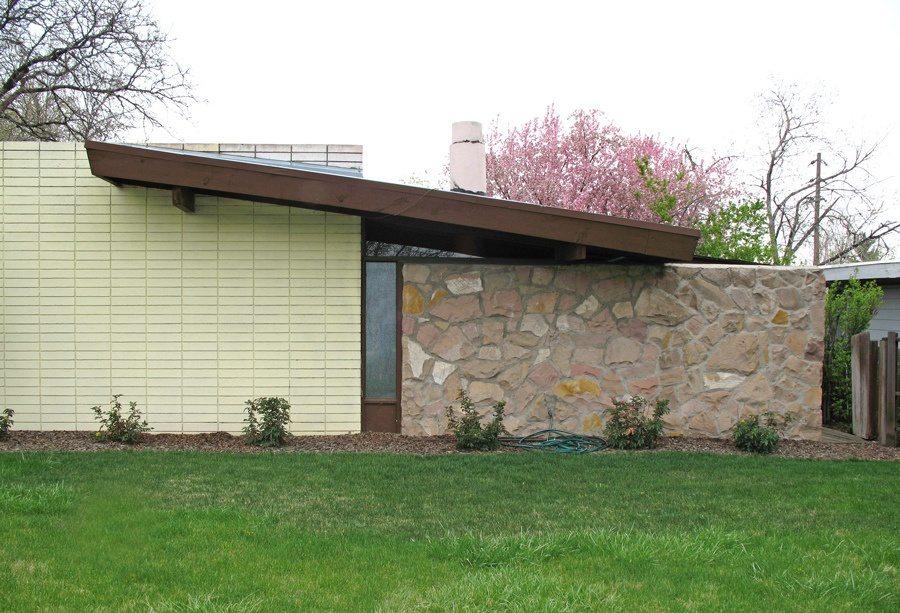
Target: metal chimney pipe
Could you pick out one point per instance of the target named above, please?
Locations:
(467, 166)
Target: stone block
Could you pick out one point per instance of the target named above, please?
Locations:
(712, 293)
(416, 358)
(480, 391)
(480, 369)
(622, 309)
(505, 303)
(513, 376)
(574, 279)
(542, 303)
(458, 309)
(570, 323)
(466, 283)
(739, 352)
(788, 297)
(588, 307)
(534, 323)
(622, 351)
(542, 276)
(492, 331)
(416, 273)
(441, 370)
(659, 307)
(610, 291)
(426, 334)
(452, 345)
(544, 375)
(413, 302)
(576, 387)
(634, 329)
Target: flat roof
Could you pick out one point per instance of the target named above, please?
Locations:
(883, 270)
(452, 221)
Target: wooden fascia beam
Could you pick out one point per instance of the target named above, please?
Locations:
(352, 195)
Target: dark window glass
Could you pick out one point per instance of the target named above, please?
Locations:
(381, 330)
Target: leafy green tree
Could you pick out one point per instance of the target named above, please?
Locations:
(738, 231)
(849, 308)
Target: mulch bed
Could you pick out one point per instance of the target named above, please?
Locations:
(396, 443)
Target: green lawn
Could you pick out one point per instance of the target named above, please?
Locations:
(154, 531)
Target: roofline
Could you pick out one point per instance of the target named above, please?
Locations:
(882, 270)
(376, 200)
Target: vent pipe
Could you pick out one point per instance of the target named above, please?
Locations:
(467, 165)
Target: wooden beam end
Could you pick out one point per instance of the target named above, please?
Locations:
(183, 198)
(570, 253)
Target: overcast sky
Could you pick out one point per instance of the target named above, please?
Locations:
(393, 76)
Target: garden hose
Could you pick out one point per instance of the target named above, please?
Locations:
(556, 441)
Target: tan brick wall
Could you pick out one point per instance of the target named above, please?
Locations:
(108, 290)
(340, 156)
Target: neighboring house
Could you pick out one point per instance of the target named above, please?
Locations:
(887, 275)
(190, 281)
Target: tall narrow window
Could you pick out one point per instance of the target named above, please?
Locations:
(381, 330)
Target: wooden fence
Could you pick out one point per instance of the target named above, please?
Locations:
(875, 376)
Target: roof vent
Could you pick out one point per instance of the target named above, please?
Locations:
(467, 167)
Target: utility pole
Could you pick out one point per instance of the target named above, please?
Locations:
(816, 210)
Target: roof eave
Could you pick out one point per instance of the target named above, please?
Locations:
(128, 164)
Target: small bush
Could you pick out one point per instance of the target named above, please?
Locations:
(114, 426)
(6, 421)
(630, 426)
(468, 429)
(267, 421)
(760, 433)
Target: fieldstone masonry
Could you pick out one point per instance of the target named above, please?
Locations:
(720, 342)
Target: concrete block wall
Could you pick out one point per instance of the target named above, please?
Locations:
(109, 290)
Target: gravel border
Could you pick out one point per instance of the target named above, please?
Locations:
(377, 442)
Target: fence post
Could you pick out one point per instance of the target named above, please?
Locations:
(862, 372)
(887, 391)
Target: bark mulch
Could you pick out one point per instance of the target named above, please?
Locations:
(397, 443)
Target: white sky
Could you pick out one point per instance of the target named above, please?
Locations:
(393, 76)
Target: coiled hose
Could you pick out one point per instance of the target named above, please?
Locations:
(556, 441)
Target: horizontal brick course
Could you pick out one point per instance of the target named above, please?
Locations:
(106, 290)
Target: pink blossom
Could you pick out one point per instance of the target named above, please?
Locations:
(588, 164)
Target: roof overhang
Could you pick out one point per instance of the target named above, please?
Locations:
(464, 223)
(885, 272)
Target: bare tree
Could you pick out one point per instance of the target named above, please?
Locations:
(84, 69)
(848, 211)
(845, 243)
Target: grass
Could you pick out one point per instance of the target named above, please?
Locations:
(176, 532)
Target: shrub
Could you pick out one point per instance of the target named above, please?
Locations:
(469, 431)
(6, 421)
(849, 307)
(118, 427)
(760, 433)
(267, 421)
(630, 426)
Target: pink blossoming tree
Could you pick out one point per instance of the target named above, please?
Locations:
(588, 164)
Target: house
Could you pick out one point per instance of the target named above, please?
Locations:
(190, 281)
(887, 275)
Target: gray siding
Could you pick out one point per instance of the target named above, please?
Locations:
(888, 316)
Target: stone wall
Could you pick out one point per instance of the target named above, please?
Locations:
(720, 342)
